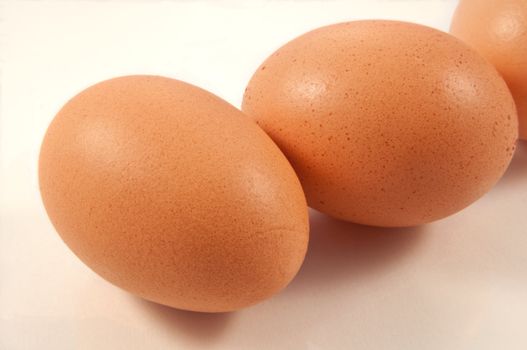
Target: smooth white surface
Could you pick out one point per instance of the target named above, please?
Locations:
(460, 283)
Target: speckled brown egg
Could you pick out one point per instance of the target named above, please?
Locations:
(498, 30)
(386, 123)
(171, 193)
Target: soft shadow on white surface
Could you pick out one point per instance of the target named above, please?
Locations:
(518, 168)
(200, 328)
(343, 250)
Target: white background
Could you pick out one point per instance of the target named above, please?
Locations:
(460, 283)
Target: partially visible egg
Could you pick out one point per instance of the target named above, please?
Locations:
(498, 30)
(386, 123)
(171, 193)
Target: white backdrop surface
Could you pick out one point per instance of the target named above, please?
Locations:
(460, 283)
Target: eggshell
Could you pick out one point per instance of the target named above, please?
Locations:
(386, 123)
(171, 193)
(498, 30)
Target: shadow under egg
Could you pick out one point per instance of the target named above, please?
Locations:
(198, 327)
(517, 170)
(340, 251)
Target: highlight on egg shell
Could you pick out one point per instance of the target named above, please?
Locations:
(386, 123)
(498, 30)
(172, 194)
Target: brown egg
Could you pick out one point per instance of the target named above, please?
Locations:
(498, 30)
(171, 193)
(386, 123)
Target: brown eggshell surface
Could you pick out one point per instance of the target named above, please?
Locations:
(498, 30)
(386, 123)
(172, 194)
